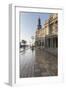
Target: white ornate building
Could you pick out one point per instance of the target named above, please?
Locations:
(47, 36)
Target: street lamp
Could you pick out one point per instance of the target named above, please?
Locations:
(32, 40)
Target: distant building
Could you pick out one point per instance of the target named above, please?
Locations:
(47, 36)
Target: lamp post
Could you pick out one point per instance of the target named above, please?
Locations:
(32, 40)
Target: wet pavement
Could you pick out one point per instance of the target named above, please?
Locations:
(37, 63)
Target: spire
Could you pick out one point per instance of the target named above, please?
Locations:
(39, 23)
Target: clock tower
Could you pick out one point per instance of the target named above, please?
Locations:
(39, 24)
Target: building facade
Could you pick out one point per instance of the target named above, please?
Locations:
(47, 36)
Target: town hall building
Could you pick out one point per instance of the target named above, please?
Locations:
(47, 36)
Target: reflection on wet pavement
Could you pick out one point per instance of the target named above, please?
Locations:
(37, 63)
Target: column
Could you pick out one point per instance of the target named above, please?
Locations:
(51, 42)
(56, 42)
(45, 42)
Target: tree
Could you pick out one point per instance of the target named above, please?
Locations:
(24, 42)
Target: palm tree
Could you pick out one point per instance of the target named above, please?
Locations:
(24, 43)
